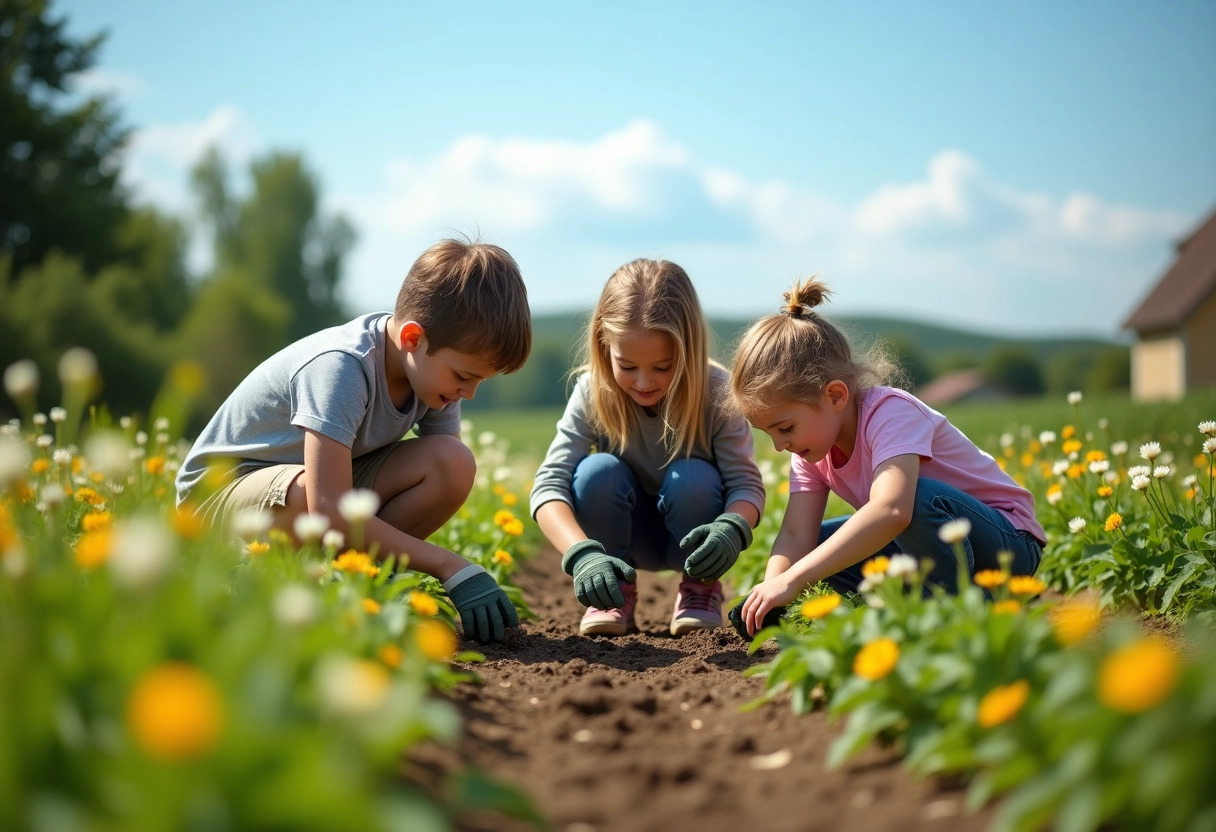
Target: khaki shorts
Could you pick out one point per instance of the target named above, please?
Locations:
(266, 488)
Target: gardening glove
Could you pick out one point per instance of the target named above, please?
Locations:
(736, 619)
(597, 575)
(715, 546)
(485, 610)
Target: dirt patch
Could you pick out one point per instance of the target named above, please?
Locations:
(645, 732)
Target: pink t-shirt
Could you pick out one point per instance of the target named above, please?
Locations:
(890, 423)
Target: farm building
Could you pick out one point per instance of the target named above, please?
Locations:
(1175, 325)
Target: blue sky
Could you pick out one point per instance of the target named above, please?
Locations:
(1022, 168)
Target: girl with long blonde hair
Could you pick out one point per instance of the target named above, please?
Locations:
(647, 470)
(900, 464)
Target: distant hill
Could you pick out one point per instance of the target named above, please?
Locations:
(556, 337)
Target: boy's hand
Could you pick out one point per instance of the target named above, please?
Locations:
(736, 619)
(597, 575)
(715, 546)
(485, 610)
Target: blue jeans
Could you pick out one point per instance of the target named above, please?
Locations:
(937, 504)
(640, 529)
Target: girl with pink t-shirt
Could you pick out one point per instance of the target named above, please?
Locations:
(900, 464)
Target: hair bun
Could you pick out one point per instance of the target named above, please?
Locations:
(800, 301)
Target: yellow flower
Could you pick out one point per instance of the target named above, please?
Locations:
(513, 527)
(356, 563)
(95, 520)
(1071, 446)
(1027, 459)
(93, 549)
(1073, 620)
(1095, 455)
(875, 566)
(821, 606)
(1054, 489)
(783, 487)
(1075, 471)
(1068, 432)
(258, 547)
(423, 604)
(989, 578)
(509, 499)
(174, 712)
(88, 495)
(435, 639)
(1026, 585)
(1002, 703)
(371, 607)
(155, 465)
(499, 489)
(1138, 676)
(1105, 491)
(40, 465)
(502, 517)
(876, 659)
(186, 523)
(390, 654)
(1007, 607)
(1114, 521)
(503, 556)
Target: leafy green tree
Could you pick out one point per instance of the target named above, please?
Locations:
(1016, 369)
(1111, 372)
(59, 185)
(911, 360)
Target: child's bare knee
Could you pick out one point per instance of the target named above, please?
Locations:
(456, 461)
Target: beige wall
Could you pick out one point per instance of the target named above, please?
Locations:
(1201, 342)
(1158, 367)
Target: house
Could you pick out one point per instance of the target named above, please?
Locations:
(1175, 326)
(961, 386)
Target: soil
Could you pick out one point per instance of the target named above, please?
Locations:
(646, 732)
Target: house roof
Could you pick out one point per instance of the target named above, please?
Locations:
(952, 387)
(1186, 283)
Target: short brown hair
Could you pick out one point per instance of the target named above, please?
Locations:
(469, 297)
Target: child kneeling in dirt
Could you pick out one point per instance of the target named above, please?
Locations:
(674, 484)
(328, 413)
(905, 469)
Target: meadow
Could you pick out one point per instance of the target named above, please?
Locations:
(158, 674)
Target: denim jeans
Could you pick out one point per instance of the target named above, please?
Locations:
(636, 527)
(937, 504)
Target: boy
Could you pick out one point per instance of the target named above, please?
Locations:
(328, 413)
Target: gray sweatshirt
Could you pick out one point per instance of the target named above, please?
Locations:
(730, 449)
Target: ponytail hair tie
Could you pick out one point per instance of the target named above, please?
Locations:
(797, 310)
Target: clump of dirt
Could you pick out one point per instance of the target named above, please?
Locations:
(646, 732)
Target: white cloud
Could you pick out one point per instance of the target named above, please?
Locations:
(110, 82)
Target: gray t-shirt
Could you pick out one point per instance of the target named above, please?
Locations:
(730, 451)
(332, 382)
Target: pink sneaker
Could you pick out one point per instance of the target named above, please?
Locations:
(597, 622)
(698, 607)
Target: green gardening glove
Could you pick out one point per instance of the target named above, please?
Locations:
(485, 610)
(597, 575)
(714, 547)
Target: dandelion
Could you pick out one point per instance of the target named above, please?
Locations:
(1026, 585)
(21, 379)
(77, 366)
(1161, 472)
(175, 712)
(1055, 493)
(1209, 446)
(990, 578)
(1118, 448)
(502, 517)
(902, 565)
(186, 523)
(59, 415)
(143, 549)
(1105, 491)
(509, 499)
(14, 460)
(1074, 620)
(1074, 398)
(45, 441)
(1068, 431)
(1207, 428)
(876, 659)
(1113, 521)
(310, 526)
(1060, 467)
(107, 453)
(1007, 607)
(1099, 466)
(333, 539)
(1002, 703)
(486, 438)
(1138, 471)
(1047, 437)
(92, 549)
(39, 419)
(1076, 525)
(40, 466)
(296, 606)
(356, 563)
(503, 557)
(955, 531)
(435, 639)
(257, 547)
(1138, 675)
(350, 687)
(821, 606)
(391, 655)
(251, 523)
(875, 566)
(1150, 450)
(423, 604)
(513, 527)
(358, 505)
(371, 606)
(53, 496)
(1141, 483)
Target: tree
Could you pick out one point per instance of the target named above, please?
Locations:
(1016, 369)
(911, 360)
(59, 185)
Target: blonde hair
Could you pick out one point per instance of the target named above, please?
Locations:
(793, 355)
(656, 296)
(469, 297)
